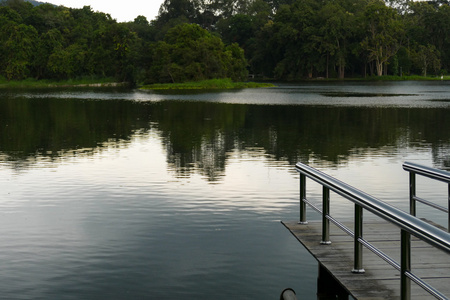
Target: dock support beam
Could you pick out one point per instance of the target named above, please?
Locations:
(328, 287)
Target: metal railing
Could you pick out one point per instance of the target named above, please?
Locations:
(288, 294)
(408, 224)
(435, 174)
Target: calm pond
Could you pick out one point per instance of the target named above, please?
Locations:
(125, 194)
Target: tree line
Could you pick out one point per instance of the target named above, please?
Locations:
(203, 39)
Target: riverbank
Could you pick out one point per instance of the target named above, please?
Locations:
(45, 83)
(406, 78)
(212, 84)
(206, 84)
(108, 82)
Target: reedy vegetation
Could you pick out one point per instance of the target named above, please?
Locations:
(194, 40)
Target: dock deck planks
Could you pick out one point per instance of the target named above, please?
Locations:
(380, 281)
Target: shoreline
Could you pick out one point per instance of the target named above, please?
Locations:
(106, 84)
(60, 84)
(207, 84)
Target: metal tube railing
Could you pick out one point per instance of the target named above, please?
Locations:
(302, 197)
(405, 264)
(288, 294)
(432, 173)
(325, 214)
(358, 247)
(408, 224)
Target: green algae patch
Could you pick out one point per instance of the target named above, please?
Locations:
(212, 84)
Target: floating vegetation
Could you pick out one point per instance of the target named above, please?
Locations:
(212, 84)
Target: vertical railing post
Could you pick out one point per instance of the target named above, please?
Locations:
(448, 207)
(412, 193)
(358, 247)
(302, 198)
(325, 213)
(405, 265)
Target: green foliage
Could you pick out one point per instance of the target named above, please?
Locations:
(19, 43)
(427, 57)
(306, 39)
(428, 25)
(54, 42)
(204, 39)
(384, 33)
(225, 83)
(190, 53)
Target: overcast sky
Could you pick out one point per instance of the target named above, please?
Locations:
(122, 11)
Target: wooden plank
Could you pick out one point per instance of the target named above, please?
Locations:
(380, 281)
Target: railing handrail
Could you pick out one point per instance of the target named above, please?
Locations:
(435, 174)
(429, 172)
(402, 219)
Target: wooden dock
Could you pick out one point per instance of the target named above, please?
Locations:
(380, 280)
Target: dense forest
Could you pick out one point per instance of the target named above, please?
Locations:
(203, 39)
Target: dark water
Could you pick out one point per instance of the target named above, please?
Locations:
(123, 194)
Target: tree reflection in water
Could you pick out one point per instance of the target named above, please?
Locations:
(199, 136)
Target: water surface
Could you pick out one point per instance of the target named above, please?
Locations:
(125, 194)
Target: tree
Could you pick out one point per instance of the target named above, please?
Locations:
(294, 29)
(236, 29)
(385, 31)
(19, 43)
(236, 62)
(426, 57)
(47, 44)
(22, 7)
(429, 24)
(190, 53)
(337, 27)
(142, 28)
(67, 62)
(266, 53)
(174, 9)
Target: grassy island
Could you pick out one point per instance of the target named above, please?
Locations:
(212, 84)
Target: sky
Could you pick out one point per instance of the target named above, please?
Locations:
(122, 11)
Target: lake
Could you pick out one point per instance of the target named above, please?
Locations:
(127, 194)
